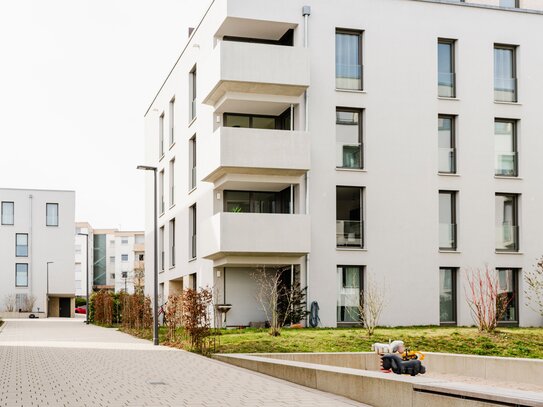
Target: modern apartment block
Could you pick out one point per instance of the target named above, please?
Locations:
(397, 141)
(117, 259)
(37, 251)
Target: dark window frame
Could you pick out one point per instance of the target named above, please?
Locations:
(251, 200)
(193, 75)
(515, 221)
(171, 239)
(24, 264)
(171, 121)
(454, 220)
(514, 122)
(516, 272)
(58, 214)
(453, 119)
(514, 70)
(454, 274)
(517, 5)
(193, 182)
(362, 220)
(360, 34)
(279, 120)
(2, 213)
(360, 112)
(16, 245)
(193, 221)
(361, 270)
(452, 43)
(161, 150)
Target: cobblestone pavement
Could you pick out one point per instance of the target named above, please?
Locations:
(58, 362)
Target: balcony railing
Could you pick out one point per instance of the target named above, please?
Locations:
(506, 164)
(349, 233)
(447, 236)
(447, 160)
(349, 155)
(507, 237)
(349, 76)
(446, 84)
(505, 89)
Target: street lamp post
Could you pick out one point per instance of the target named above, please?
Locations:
(87, 279)
(49, 262)
(155, 274)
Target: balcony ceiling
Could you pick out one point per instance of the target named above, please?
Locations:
(244, 27)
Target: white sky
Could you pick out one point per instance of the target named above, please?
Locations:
(76, 77)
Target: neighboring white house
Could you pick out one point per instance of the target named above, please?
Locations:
(400, 140)
(116, 258)
(37, 251)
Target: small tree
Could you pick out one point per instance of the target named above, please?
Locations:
(29, 302)
(534, 287)
(10, 302)
(483, 295)
(372, 304)
(196, 317)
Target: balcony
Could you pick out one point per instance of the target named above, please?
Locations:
(257, 151)
(255, 234)
(254, 68)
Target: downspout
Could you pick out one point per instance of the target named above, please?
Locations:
(306, 12)
(30, 263)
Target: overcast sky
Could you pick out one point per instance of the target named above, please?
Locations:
(76, 77)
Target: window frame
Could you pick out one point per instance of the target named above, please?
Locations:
(123, 257)
(514, 123)
(58, 214)
(26, 270)
(360, 112)
(193, 253)
(362, 219)
(361, 270)
(161, 149)
(172, 181)
(454, 283)
(516, 226)
(454, 220)
(193, 80)
(514, 70)
(516, 271)
(517, 5)
(171, 123)
(193, 182)
(452, 141)
(360, 34)
(2, 213)
(17, 245)
(171, 239)
(452, 43)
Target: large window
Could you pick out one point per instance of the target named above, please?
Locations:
(51, 214)
(21, 275)
(172, 182)
(447, 295)
(192, 231)
(161, 247)
(161, 191)
(348, 60)
(507, 229)
(192, 93)
(505, 136)
(21, 245)
(446, 144)
(349, 221)
(349, 138)
(172, 121)
(161, 135)
(257, 201)
(124, 257)
(509, 3)
(8, 213)
(349, 293)
(192, 163)
(505, 73)
(253, 121)
(508, 294)
(447, 220)
(172, 243)
(446, 77)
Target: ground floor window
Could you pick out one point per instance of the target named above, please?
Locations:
(447, 295)
(349, 294)
(508, 293)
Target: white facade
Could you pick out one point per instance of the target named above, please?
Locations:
(37, 228)
(83, 243)
(394, 234)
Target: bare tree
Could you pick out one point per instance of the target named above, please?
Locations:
(29, 302)
(483, 295)
(139, 280)
(373, 301)
(10, 302)
(534, 291)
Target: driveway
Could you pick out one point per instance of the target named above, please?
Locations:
(63, 362)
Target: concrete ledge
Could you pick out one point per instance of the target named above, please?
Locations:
(376, 388)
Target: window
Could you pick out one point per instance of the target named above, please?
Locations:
(112, 276)
(112, 259)
(348, 60)
(254, 121)
(161, 186)
(447, 144)
(192, 163)
(161, 135)
(508, 295)
(192, 231)
(124, 241)
(509, 3)
(124, 257)
(192, 93)
(349, 222)
(446, 77)
(507, 229)
(349, 294)
(141, 257)
(505, 136)
(447, 295)
(505, 81)
(172, 243)
(51, 214)
(349, 138)
(21, 245)
(8, 213)
(161, 248)
(172, 121)
(447, 220)
(257, 201)
(172, 182)
(21, 275)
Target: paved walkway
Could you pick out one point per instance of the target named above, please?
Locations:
(57, 362)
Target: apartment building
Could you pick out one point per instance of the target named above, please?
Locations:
(116, 258)
(396, 141)
(83, 251)
(37, 251)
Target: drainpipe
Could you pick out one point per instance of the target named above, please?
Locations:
(29, 242)
(306, 12)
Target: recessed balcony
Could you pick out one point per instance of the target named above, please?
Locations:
(244, 67)
(255, 234)
(257, 151)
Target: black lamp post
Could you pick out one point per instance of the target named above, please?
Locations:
(155, 274)
(87, 279)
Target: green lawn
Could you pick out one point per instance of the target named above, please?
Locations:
(512, 342)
